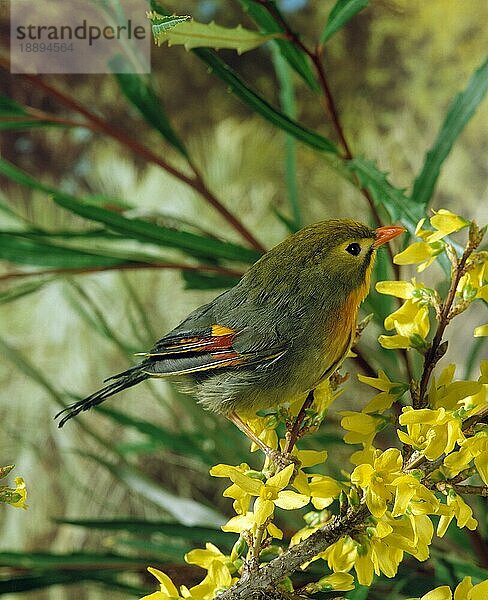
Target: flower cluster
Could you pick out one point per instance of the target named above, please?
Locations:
(436, 451)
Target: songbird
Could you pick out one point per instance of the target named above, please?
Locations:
(285, 327)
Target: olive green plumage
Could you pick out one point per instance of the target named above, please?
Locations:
(286, 325)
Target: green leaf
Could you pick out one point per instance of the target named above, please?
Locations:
(192, 34)
(252, 99)
(385, 194)
(172, 530)
(191, 243)
(46, 560)
(184, 510)
(261, 106)
(17, 248)
(141, 94)
(287, 98)
(293, 55)
(341, 13)
(160, 24)
(207, 281)
(459, 113)
(179, 442)
(24, 289)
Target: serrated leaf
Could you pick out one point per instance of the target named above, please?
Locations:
(162, 23)
(341, 13)
(293, 55)
(192, 34)
(385, 194)
(460, 111)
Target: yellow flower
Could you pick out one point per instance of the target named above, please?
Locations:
(474, 448)
(375, 479)
(361, 427)
(464, 591)
(337, 581)
(247, 522)
(204, 558)
(21, 491)
(412, 324)
(264, 428)
(433, 432)
(458, 508)
(269, 494)
(241, 498)
(474, 283)
(389, 392)
(446, 223)
(418, 252)
(453, 394)
(323, 491)
(168, 589)
(217, 580)
(408, 487)
(340, 556)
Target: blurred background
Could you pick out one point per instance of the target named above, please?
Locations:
(139, 466)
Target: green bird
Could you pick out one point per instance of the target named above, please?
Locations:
(285, 327)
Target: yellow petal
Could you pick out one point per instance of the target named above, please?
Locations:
(310, 458)
(462, 590)
(381, 382)
(391, 342)
(445, 222)
(400, 289)
(342, 582)
(263, 509)
(281, 479)
(248, 484)
(440, 593)
(22, 491)
(415, 253)
(274, 531)
(289, 500)
(239, 523)
(167, 586)
(479, 591)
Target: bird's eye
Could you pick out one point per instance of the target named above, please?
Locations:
(354, 249)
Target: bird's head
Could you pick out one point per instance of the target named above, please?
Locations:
(336, 254)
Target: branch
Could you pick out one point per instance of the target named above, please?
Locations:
(272, 573)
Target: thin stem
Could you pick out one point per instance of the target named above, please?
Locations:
(96, 123)
(123, 267)
(432, 356)
(294, 433)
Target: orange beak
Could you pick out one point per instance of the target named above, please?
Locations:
(387, 233)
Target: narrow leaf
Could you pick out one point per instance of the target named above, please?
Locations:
(160, 24)
(293, 55)
(19, 249)
(139, 91)
(207, 281)
(258, 104)
(24, 289)
(192, 34)
(341, 13)
(460, 111)
(184, 510)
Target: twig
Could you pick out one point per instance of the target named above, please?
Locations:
(122, 267)
(437, 349)
(294, 433)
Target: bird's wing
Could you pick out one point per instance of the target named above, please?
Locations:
(198, 350)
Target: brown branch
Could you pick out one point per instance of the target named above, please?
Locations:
(98, 124)
(293, 435)
(270, 574)
(122, 267)
(437, 349)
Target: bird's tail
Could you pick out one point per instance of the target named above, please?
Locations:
(121, 382)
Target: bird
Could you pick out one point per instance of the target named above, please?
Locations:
(283, 329)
